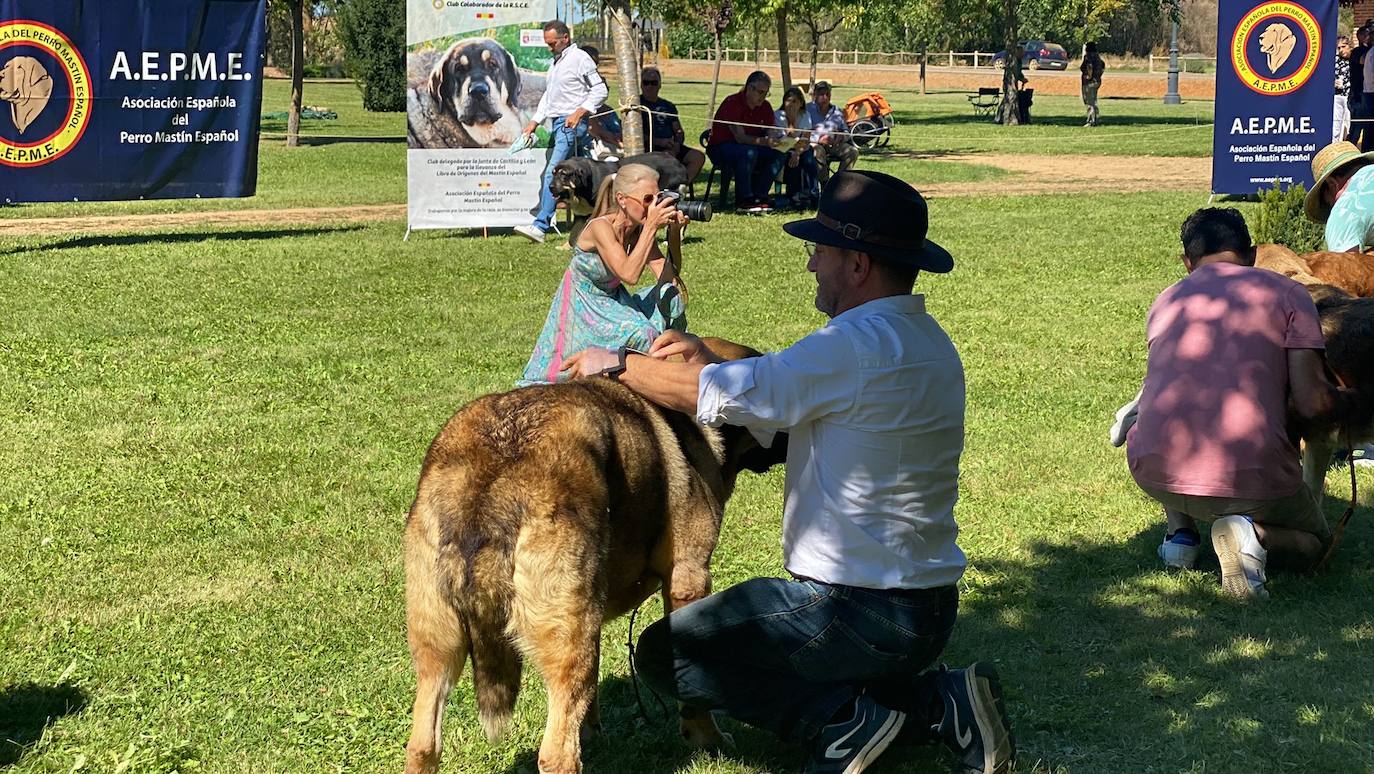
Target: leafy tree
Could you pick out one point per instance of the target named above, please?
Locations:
(373, 34)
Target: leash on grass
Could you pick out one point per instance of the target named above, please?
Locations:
(634, 674)
(1339, 532)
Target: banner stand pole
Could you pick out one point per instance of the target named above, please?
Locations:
(406, 238)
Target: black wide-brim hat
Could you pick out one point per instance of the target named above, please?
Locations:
(877, 214)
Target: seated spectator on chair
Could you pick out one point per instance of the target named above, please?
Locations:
(794, 140)
(829, 135)
(741, 142)
(668, 135)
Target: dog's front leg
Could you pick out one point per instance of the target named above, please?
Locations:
(1316, 458)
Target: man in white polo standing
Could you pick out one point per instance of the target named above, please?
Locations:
(574, 89)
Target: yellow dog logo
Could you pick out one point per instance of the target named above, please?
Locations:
(1287, 32)
(1277, 43)
(26, 86)
(28, 82)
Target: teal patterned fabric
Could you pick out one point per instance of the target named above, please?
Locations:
(1352, 216)
(592, 308)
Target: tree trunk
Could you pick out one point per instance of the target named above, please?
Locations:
(293, 117)
(815, 49)
(627, 75)
(1009, 109)
(784, 58)
(715, 82)
(756, 43)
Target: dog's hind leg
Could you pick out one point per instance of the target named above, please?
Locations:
(557, 616)
(438, 647)
(685, 566)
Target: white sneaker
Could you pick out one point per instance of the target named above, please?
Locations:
(1241, 556)
(531, 233)
(1178, 556)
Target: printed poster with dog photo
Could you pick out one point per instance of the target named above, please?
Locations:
(474, 74)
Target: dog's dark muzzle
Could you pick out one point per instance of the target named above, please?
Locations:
(477, 105)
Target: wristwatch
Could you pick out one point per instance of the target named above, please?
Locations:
(616, 370)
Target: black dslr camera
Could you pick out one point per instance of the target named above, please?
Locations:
(697, 211)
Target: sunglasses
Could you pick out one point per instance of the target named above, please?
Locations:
(647, 200)
(651, 83)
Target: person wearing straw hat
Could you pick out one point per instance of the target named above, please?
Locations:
(1342, 196)
(843, 656)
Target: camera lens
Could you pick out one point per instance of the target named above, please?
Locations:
(698, 211)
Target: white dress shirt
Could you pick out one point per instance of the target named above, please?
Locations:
(874, 404)
(572, 82)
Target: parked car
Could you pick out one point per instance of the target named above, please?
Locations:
(1039, 54)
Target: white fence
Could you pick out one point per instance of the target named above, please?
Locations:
(1200, 63)
(802, 56)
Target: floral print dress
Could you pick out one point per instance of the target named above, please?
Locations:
(592, 308)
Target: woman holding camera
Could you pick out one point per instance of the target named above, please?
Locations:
(593, 307)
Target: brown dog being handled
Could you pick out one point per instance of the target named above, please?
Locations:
(541, 513)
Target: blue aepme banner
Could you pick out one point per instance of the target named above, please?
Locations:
(129, 99)
(1276, 70)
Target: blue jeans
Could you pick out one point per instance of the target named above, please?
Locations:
(802, 179)
(565, 144)
(786, 655)
(753, 167)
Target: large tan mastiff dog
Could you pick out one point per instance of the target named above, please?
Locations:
(542, 513)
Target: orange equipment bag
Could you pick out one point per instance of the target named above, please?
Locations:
(870, 105)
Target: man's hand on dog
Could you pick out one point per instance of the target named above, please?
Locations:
(675, 343)
(592, 361)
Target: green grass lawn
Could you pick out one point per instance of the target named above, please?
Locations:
(211, 440)
(928, 127)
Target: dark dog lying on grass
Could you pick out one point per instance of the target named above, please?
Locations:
(576, 180)
(541, 514)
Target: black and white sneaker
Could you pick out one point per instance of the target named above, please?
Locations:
(975, 724)
(853, 745)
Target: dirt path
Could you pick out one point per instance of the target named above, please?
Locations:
(1067, 173)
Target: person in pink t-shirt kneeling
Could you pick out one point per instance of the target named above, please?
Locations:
(1231, 347)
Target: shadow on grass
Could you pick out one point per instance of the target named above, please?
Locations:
(630, 743)
(179, 237)
(1111, 663)
(28, 709)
